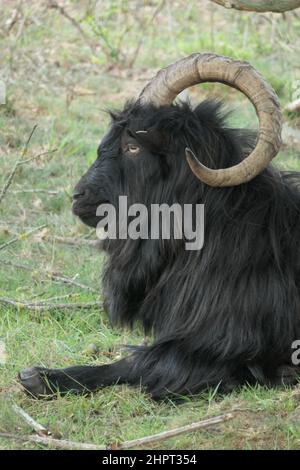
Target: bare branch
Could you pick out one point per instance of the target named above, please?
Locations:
(72, 282)
(35, 157)
(144, 441)
(162, 436)
(51, 299)
(53, 4)
(51, 442)
(15, 265)
(22, 236)
(20, 161)
(37, 427)
(60, 278)
(43, 306)
(15, 167)
(136, 51)
(37, 191)
(77, 241)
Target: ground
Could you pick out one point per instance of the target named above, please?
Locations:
(62, 76)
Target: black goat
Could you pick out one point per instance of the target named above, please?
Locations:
(222, 316)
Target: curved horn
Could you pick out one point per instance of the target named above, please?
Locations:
(200, 68)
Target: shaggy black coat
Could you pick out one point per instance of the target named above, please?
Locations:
(222, 316)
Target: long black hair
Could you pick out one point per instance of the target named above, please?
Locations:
(230, 312)
(222, 316)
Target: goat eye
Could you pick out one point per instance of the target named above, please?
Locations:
(133, 149)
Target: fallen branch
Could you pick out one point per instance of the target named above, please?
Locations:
(51, 442)
(20, 162)
(162, 436)
(77, 241)
(16, 165)
(294, 106)
(37, 427)
(60, 278)
(15, 265)
(38, 306)
(50, 299)
(22, 236)
(35, 157)
(70, 445)
(37, 191)
(70, 281)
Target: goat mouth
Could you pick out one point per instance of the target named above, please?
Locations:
(87, 212)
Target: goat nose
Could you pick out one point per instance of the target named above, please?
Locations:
(78, 193)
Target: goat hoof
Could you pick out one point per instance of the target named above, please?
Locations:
(34, 381)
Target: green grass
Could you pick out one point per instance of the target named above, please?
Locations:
(73, 124)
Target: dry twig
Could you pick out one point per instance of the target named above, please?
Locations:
(162, 436)
(16, 165)
(144, 441)
(37, 427)
(15, 265)
(20, 161)
(77, 241)
(53, 4)
(51, 442)
(37, 191)
(71, 282)
(141, 39)
(51, 299)
(59, 278)
(22, 236)
(39, 306)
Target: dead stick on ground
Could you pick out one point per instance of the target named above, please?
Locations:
(15, 265)
(51, 299)
(47, 307)
(20, 162)
(37, 427)
(22, 236)
(72, 282)
(60, 278)
(51, 442)
(15, 167)
(64, 444)
(31, 159)
(77, 241)
(162, 436)
(37, 191)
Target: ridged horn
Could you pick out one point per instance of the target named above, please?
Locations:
(200, 68)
